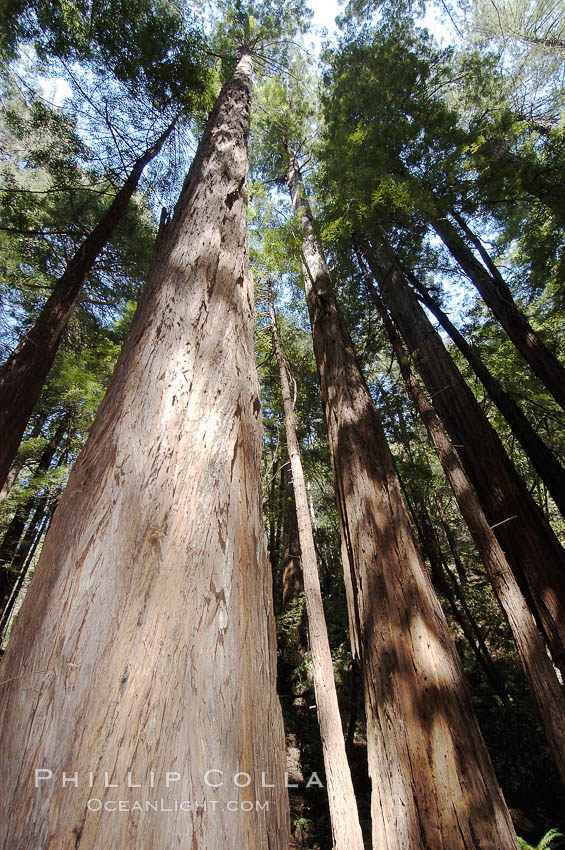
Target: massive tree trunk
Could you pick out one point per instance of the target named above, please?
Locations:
(540, 674)
(23, 375)
(498, 298)
(433, 783)
(346, 829)
(145, 646)
(542, 458)
(536, 556)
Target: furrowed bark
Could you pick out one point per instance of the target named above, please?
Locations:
(542, 458)
(346, 829)
(529, 543)
(433, 783)
(145, 645)
(24, 373)
(498, 298)
(546, 689)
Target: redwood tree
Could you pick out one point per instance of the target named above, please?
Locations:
(530, 545)
(433, 785)
(145, 643)
(346, 828)
(23, 375)
(545, 687)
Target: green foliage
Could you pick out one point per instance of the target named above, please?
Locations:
(151, 46)
(549, 841)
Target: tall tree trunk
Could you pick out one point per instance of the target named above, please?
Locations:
(292, 581)
(433, 783)
(545, 687)
(498, 298)
(146, 641)
(536, 556)
(23, 375)
(346, 829)
(542, 458)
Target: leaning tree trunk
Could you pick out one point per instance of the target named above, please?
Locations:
(24, 373)
(144, 649)
(529, 543)
(433, 782)
(542, 458)
(346, 828)
(498, 298)
(546, 689)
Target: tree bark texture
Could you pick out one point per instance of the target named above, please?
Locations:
(433, 783)
(346, 828)
(146, 642)
(24, 373)
(542, 458)
(530, 545)
(498, 298)
(546, 689)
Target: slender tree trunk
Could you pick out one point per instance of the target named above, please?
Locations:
(23, 375)
(19, 462)
(537, 558)
(498, 298)
(546, 690)
(354, 708)
(346, 829)
(433, 783)
(292, 581)
(453, 548)
(23, 515)
(542, 458)
(38, 526)
(145, 645)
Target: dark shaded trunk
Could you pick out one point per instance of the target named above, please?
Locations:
(38, 525)
(546, 690)
(542, 458)
(22, 517)
(445, 583)
(451, 542)
(353, 707)
(433, 785)
(291, 570)
(498, 298)
(23, 375)
(534, 552)
(146, 639)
